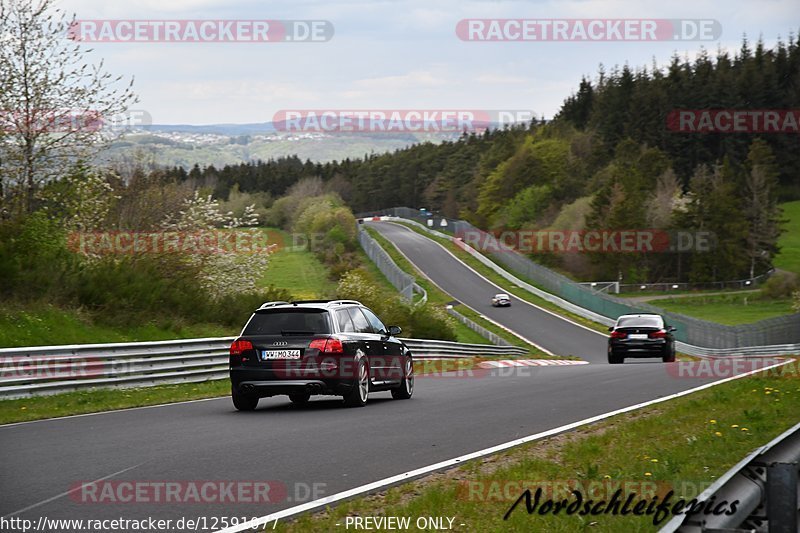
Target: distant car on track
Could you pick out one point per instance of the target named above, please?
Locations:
(644, 335)
(501, 300)
(333, 347)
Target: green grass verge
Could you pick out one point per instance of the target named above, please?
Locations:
(37, 324)
(729, 309)
(647, 294)
(437, 297)
(789, 241)
(298, 271)
(98, 400)
(683, 445)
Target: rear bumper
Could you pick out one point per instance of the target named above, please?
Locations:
(263, 384)
(645, 349)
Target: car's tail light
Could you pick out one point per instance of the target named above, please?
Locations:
(619, 335)
(240, 346)
(660, 334)
(327, 345)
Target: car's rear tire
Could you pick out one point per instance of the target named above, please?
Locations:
(242, 402)
(300, 398)
(406, 388)
(668, 357)
(614, 359)
(359, 392)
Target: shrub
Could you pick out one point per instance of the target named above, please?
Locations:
(423, 322)
(35, 261)
(780, 285)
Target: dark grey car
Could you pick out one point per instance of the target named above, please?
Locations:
(644, 335)
(333, 347)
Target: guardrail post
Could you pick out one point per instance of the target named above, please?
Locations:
(782, 497)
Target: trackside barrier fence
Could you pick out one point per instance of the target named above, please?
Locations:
(695, 335)
(400, 280)
(477, 328)
(405, 283)
(45, 370)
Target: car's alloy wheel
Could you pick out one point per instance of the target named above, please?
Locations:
(406, 389)
(243, 402)
(359, 393)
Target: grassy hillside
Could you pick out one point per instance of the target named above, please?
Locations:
(299, 272)
(789, 256)
(39, 324)
(45, 325)
(729, 309)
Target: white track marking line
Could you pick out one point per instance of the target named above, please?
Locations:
(406, 476)
(57, 496)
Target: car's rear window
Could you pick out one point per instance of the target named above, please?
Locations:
(640, 322)
(288, 322)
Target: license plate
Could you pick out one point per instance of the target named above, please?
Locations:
(638, 335)
(280, 354)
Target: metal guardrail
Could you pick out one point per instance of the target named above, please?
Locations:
(400, 280)
(749, 283)
(54, 369)
(738, 348)
(765, 484)
(477, 328)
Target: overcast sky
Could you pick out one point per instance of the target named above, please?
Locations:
(395, 54)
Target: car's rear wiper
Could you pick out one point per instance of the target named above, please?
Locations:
(296, 332)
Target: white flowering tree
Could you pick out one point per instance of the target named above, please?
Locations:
(81, 200)
(239, 253)
(53, 100)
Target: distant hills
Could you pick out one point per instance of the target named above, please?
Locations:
(221, 144)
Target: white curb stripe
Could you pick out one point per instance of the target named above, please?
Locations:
(530, 362)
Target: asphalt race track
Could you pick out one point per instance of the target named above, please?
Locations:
(456, 279)
(323, 447)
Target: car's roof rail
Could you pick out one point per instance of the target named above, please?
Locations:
(272, 304)
(330, 302)
(345, 302)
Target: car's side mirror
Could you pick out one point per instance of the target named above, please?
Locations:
(672, 328)
(394, 331)
(610, 328)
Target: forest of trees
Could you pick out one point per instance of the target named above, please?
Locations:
(606, 161)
